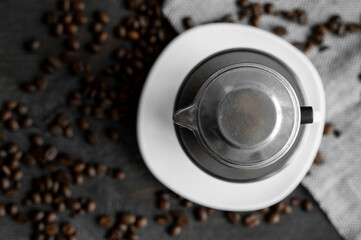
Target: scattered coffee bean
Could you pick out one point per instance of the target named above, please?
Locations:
(32, 45)
(96, 27)
(71, 28)
(164, 204)
(278, 207)
(257, 9)
(93, 47)
(72, 44)
(13, 124)
(51, 217)
(174, 230)
(2, 211)
(68, 229)
(80, 18)
(243, 3)
(287, 209)
(91, 138)
(128, 218)
(51, 18)
(5, 115)
(201, 214)
(102, 17)
(273, 218)
(106, 221)
(307, 205)
(269, 8)
(51, 229)
(77, 5)
(255, 21)
(58, 29)
(188, 22)
(318, 158)
(13, 209)
(119, 174)
(252, 220)
(280, 31)
(337, 133)
(163, 219)
(234, 217)
(26, 122)
(295, 201)
(102, 37)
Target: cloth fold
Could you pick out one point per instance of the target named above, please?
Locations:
(336, 184)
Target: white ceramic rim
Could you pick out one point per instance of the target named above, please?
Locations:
(157, 139)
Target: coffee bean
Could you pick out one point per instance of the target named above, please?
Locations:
(102, 17)
(188, 22)
(302, 18)
(163, 219)
(50, 153)
(68, 56)
(133, 35)
(273, 218)
(233, 217)
(102, 37)
(79, 167)
(106, 221)
(68, 229)
(68, 131)
(51, 217)
(341, 30)
(280, 31)
(58, 29)
(51, 18)
(201, 214)
(72, 44)
(96, 27)
(37, 140)
(295, 201)
(287, 209)
(120, 32)
(278, 207)
(127, 218)
(337, 133)
(119, 174)
(5, 183)
(77, 6)
(36, 197)
(66, 18)
(332, 25)
(55, 62)
(91, 171)
(307, 205)
(318, 159)
(60, 207)
(141, 222)
(243, 3)
(353, 27)
(5, 115)
(56, 130)
(12, 148)
(323, 48)
(73, 205)
(6, 170)
(91, 138)
(13, 124)
(2, 211)
(32, 45)
(90, 206)
(13, 209)
(47, 198)
(26, 122)
(38, 216)
(187, 204)
(80, 18)
(51, 229)
(269, 8)
(17, 175)
(257, 9)
(71, 28)
(255, 21)
(174, 230)
(93, 47)
(252, 220)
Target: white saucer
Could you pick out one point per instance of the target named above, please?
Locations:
(157, 138)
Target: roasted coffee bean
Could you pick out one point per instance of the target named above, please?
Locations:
(106, 221)
(163, 219)
(273, 218)
(12, 148)
(47, 198)
(287, 209)
(120, 32)
(141, 222)
(78, 68)
(5, 183)
(280, 31)
(243, 3)
(127, 218)
(295, 201)
(13, 209)
(2, 211)
(164, 204)
(90, 206)
(64, 5)
(62, 120)
(255, 21)
(307, 205)
(119, 174)
(37, 140)
(308, 46)
(302, 18)
(51, 229)
(113, 134)
(36, 197)
(257, 9)
(38, 216)
(32, 45)
(73, 205)
(201, 214)
(90, 171)
(233, 217)
(12, 124)
(26, 122)
(318, 158)
(102, 17)
(50, 153)
(68, 229)
(101, 169)
(187, 204)
(96, 27)
(51, 18)
(5, 115)
(41, 83)
(72, 44)
(323, 48)
(101, 37)
(80, 18)
(55, 62)
(133, 35)
(278, 207)
(51, 217)
(3, 153)
(188, 22)
(66, 18)
(71, 28)
(79, 167)
(269, 8)
(91, 138)
(17, 175)
(68, 56)
(68, 131)
(341, 30)
(174, 230)
(332, 25)
(11, 105)
(58, 29)
(337, 133)
(6, 170)
(78, 179)
(83, 124)
(77, 6)
(353, 27)
(252, 220)
(60, 207)
(93, 47)
(21, 218)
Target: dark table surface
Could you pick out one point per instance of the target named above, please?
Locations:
(21, 20)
